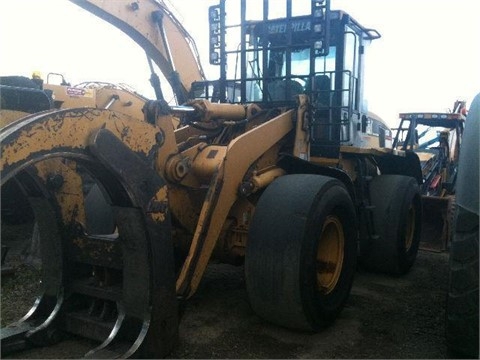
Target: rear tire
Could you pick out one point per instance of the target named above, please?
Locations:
(301, 252)
(397, 216)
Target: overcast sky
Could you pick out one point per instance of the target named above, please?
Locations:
(428, 56)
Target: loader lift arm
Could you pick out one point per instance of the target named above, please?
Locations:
(154, 27)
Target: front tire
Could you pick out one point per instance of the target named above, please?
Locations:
(301, 252)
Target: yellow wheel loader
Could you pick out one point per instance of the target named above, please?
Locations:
(276, 165)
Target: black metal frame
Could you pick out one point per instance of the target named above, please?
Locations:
(330, 122)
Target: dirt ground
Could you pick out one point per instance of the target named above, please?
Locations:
(385, 317)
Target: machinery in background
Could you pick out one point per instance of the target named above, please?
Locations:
(21, 96)
(436, 139)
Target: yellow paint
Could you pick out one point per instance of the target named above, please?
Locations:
(72, 129)
(162, 197)
(301, 147)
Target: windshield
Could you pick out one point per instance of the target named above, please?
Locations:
(278, 71)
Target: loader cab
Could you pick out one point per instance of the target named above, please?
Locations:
(284, 48)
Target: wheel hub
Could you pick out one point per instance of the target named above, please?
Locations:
(330, 254)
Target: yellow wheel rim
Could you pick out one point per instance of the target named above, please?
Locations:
(410, 228)
(330, 253)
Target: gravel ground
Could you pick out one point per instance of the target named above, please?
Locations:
(385, 317)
